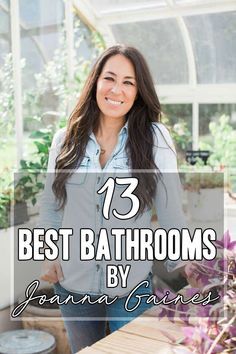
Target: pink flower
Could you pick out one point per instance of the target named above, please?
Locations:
(226, 242)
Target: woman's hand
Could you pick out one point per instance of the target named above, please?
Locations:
(51, 271)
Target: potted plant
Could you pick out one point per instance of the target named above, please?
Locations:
(12, 200)
(204, 193)
(17, 195)
(222, 150)
(213, 329)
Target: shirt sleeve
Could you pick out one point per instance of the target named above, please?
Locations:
(50, 216)
(168, 198)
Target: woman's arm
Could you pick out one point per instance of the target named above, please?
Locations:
(50, 217)
(168, 199)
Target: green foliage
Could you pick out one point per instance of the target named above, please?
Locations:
(98, 42)
(223, 144)
(47, 104)
(7, 119)
(222, 149)
(181, 135)
(6, 197)
(54, 89)
(32, 171)
(30, 179)
(196, 181)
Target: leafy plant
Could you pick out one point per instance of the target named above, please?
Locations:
(223, 145)
(222, 150)
(53, 89)
(30, 182)
(181, 135)
(9, 196)
(205, 180)
(215, 329)
(7, 118)
(6, 196)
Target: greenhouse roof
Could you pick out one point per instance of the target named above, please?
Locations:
(190, 45)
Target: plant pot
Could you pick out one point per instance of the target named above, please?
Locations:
(20, 213)
(37, 317)
(15, 215)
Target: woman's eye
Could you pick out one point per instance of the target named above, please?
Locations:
(109, 78)
(128, 83)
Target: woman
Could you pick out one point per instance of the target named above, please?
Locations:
(115, 126)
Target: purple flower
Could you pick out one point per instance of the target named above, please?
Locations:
(204, 311)
(197, 338)
(232, 332)
(215, 320)
(226, 242)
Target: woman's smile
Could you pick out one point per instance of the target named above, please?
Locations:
(113, 102)
(116, 87)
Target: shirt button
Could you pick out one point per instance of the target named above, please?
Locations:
(97, 152)
(98, 267)
(98, 180)
(98, 208)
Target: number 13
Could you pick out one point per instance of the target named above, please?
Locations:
(109, 187)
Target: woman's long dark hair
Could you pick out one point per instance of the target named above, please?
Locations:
(85, 118)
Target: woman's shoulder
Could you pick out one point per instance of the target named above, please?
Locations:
(162, 136)
(58, 138)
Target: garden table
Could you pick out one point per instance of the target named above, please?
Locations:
(145, 334)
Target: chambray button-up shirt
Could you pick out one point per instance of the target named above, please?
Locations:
(84, 205)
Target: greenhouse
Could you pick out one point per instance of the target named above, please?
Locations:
(47, 52)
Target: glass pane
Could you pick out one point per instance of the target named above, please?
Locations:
(84, 45)
(40, 23)
(41, 34)
(4, 24)
(218, 133)
(4, 48)
(178, 118)
(7, 118)
(194, 2)
(40, 13)
(48, 93)
(108, 5)
(5, 3)
(164, 51)
(5, 34)
(211, 113)
(214, 44)
(36, 51)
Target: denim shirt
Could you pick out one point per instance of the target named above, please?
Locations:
(83, 209)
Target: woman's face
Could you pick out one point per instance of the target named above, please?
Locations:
(116, 87)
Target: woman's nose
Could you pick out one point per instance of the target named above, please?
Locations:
(116, 88)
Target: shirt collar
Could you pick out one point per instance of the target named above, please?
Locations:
(124, 129)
